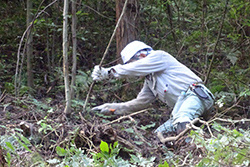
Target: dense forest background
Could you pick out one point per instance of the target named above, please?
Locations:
(211, 37)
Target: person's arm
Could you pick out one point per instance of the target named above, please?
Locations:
(142, 101)
(154, 62)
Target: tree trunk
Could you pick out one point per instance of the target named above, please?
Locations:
(29, 51)
(169, 10)
(127, 31)
(65, 58)
(74, 43)
(48, 47)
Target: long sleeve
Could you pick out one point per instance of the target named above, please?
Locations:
(168, 77)
(152, 63)
(142, 101)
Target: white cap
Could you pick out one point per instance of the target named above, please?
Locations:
(131, 49)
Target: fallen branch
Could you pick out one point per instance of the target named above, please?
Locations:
(2, 96)
(227, 109)
(121, 140)
(229, 120)
(192, 126)
(124, 117)
(174, 138)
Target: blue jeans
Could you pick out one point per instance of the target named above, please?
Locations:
(188, 107)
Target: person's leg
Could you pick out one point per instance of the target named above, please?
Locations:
(188, 107)
(168, 125)
(192, 107)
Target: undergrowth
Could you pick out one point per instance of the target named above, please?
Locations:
(226, 147)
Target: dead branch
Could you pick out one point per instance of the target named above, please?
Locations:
(208, 127)
(127, 143)
(192, 126)
(229, 120)
(174, 138)
(228, 109)
(185, 160)
(124, 117)
(2, 96)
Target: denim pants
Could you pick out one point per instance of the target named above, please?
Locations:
(188, 107)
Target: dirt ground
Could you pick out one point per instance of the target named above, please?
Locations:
(134, 133)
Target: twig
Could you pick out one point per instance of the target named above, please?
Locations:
(217, 41)
(174, 138)
(120, 139)
(123, 117)
(28, 30)
(185, 160)
(164, 140)
(228, 109)
(105, 53)
(140, 136)
(3, 95)
(207, 124)
(229, 120)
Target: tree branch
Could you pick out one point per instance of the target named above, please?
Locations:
(105, 53)
(217, 41)
(174, 138)
(126, 116)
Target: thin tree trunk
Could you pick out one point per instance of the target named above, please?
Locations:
(204, 9)
(29, 51)
(48, 48)
(74, 42)
(169, 10)
(65, 58)
(217, 42)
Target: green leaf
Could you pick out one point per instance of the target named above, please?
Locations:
(130, 130)
(24, 139)
(104, 147)
(245, 93)
(115, 144)
(8, 144)
(8, 158)
(25, 146)
(164, 165)
(138, 142)
(147, 126)
(53, 161)
(60, 151)
(237, 133)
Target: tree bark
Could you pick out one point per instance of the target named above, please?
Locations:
(169, 10)
(29, 51)
(127, 30)
(74, 43)
(48, 47)
(65, 58)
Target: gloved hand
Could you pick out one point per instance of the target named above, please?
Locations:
(100, 73)
(110, 108)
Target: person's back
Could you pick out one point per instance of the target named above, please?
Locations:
(165, 78)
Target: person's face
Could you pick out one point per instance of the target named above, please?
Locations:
(137, 57)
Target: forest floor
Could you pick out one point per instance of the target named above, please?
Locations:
(44, 124)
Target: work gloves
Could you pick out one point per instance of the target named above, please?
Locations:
(111, 108)
(100, 73)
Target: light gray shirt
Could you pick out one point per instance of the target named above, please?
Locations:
(165, 77)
